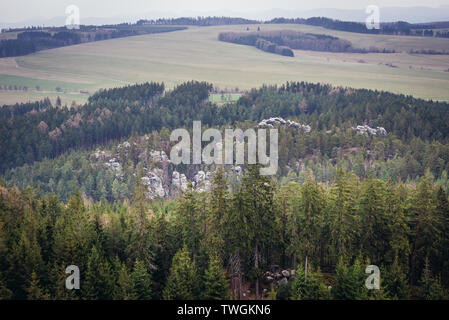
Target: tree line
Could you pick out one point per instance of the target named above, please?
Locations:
(277, 41)
(198, 21)
(393, 28)
(33, 40)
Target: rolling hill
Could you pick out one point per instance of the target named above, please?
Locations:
(196, 54)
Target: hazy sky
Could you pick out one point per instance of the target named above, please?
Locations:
(19, 10)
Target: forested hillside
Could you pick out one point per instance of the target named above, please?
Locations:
(115, 114)
(362, 179)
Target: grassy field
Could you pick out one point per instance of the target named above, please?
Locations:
(196, 54)
(225, 97)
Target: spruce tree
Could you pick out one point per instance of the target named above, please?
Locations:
(310, 220)
(349, 282)
(34, 291)
(123, 289)
(299, 283)
(141, 281)
(5, 293)
(24, 259)
(311, 287)
(188, 219)
(238, 233)
(373, 220)
(99, 283)
(440, 258)
(395, 282)
(424, 227)
(218, 209)
(342, 204)
(287, 207)
(182, 280)
(139, 227)
(399, 251)
(215, 283)
(430, 286)
(257, 201)
(315, 287)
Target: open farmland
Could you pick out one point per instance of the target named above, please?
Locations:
(196, 54)
(224, 97)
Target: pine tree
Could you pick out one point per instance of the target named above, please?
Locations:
(72, 235)
(349, 282)
(311, 287)
(399, 243)
(424, 227)
(139, 227)
(374, 232)
(164, 244)
(257, 195)
(238, 233)
(123, 289)
(358, 277)
(141, 281)
(287, 205)
(24, 259)
(5, 293)
(315, 287)
(58, 289)
(299, 284)
(218, 210)
(215, 283)
(430, 286)
(34, 291)
(440, 259)
(99, 283)
(116, 191)
(395, 282)
(342, 202)
(310, 220)
(189, 220)
(182, 280)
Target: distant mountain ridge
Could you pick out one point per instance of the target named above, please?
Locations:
(418, 14)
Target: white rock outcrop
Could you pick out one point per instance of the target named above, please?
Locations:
(154, 183)
(367, 130)
(179, 181)
(201, 181)
(158, 155)
(271, 122)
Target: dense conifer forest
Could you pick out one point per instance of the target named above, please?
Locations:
(76, 183)
(196, 246)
